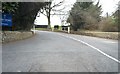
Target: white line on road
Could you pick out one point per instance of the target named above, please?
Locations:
(93, 48)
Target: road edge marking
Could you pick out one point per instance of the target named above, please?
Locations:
(116, 60)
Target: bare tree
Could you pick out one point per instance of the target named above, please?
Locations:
(49, 8)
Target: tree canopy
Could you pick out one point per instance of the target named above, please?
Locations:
(23, 13)
(84, 15)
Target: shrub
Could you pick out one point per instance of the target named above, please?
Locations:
(108, 25)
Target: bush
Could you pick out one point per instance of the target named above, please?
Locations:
(108, 25)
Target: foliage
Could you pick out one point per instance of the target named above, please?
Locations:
(9, 7)
(108, 25)
(24, 13)
(84, 15)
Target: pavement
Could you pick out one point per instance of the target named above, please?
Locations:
(60, 52)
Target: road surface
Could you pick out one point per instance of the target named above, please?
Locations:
(60, 52)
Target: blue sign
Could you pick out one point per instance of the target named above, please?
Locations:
(6, 20)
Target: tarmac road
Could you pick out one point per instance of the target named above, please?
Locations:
(60, 52)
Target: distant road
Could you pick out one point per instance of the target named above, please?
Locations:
(60, 52)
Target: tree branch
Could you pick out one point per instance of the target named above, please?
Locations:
(43, 13)
(59, 4)
(60, 10)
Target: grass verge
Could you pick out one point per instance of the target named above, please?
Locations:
(107, 35)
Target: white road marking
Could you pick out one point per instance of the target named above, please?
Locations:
(93, 48)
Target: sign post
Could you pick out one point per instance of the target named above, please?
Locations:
(68, 27)
(6, 20)
(34, 29)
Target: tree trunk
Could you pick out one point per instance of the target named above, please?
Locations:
(48, 16)
(49, 22)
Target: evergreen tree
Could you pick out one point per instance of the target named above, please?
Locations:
(84, 15)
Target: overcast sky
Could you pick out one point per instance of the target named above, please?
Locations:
(107, 6)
